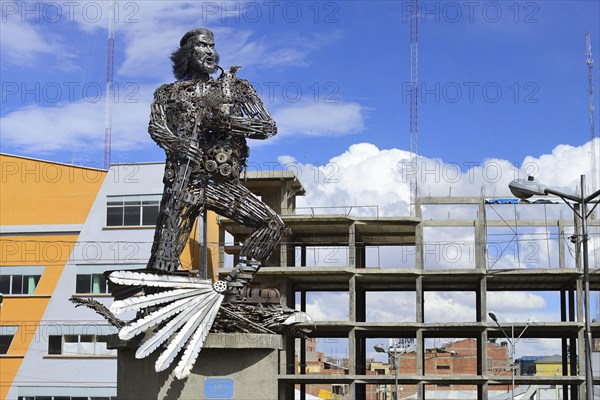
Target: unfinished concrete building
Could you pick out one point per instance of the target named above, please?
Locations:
(418, 258)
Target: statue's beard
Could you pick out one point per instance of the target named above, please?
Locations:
(205, 65)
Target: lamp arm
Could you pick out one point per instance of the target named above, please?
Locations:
(592, 196)
(504, 332)
(562, 195)
(522, 332)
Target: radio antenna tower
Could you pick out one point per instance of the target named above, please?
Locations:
(593, 149)
(109, 83)
(414, 96)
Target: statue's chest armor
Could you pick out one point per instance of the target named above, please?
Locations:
(224, 155)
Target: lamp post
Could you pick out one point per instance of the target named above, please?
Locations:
(380, 349)
(524, 189)
(513, 344)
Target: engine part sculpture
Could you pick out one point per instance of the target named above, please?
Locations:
(202, 124)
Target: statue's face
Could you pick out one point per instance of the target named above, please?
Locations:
(204, 57)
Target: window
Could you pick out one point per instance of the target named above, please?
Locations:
(54, 344)
(5, 341)
(89, 278)
(92, 345)
(443, 367)
(338, 389)
(18, 283)
(132, 210)
(91, 283)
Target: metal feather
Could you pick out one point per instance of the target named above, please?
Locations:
(167, 357)
(130, 278)
(185, 365)
(153, 319)
(137, 303)
(167, 331)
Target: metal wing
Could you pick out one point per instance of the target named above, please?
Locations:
(185, 310)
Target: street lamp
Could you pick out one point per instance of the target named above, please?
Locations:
(395, 355)
(513, 344)
(524, 189)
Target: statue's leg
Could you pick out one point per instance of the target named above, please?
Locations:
(236, 202)
(179, 208)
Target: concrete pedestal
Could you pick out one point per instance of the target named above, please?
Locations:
(244, 364)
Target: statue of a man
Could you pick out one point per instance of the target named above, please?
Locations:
(202, 124)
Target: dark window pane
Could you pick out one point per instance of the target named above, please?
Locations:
(132, 216)
(43, 397)
(150, 215)
(71, 339)
(5, 343)
(83, 283)
(99, 283)
(17, 284)
(5, 284)
(55, 344)
(86, 338)
(62, 398)
(133, 203)
(114, 216)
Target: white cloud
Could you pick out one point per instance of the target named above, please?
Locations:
(24, 44)
(367, 175)
(504, 303)
(78, 125)
(391, 306)
(327, 306)
(320, 119)
(562, 168)
(449, 306)
(147, 48)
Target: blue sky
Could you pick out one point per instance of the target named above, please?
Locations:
(498, 79)
(503, 92)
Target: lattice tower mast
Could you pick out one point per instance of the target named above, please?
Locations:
(109, 83)
(593, 150)
(414, 95)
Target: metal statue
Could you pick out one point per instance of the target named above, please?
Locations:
(202, 124)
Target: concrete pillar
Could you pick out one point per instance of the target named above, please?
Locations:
(561, 246)
(352, 246)
(480, 239)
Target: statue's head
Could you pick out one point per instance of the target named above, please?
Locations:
(196, 56)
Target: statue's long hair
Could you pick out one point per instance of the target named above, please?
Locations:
(181, 59)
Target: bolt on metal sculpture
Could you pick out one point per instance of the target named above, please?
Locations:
(202, 124)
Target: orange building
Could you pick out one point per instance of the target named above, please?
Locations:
(61, 227)
(44, 206)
